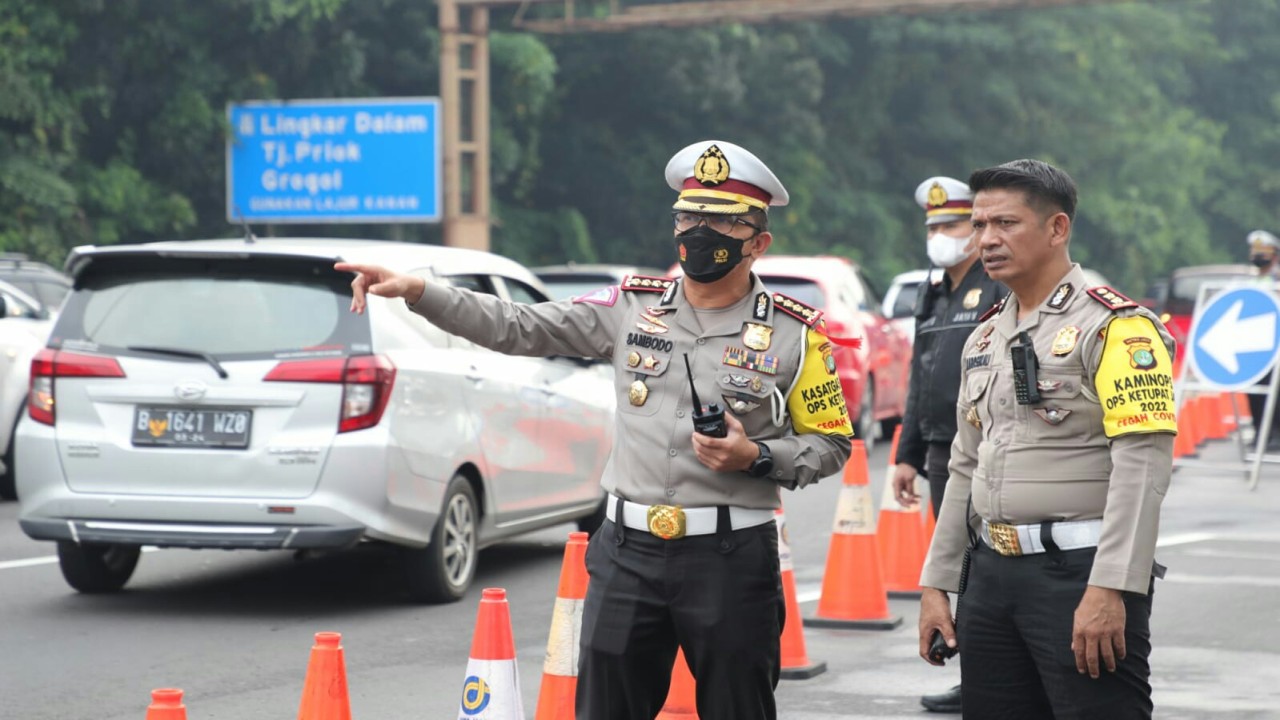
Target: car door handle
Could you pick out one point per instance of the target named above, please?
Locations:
(474, 375)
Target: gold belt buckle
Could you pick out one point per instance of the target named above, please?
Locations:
(666, 521)
(1004, 538)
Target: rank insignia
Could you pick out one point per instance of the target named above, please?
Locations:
(750, 360)
(762, 307)
(1061, 296)
(1053, 416)
(972, 298)
(797, 309)
(1112, 299)
(646, 283)
(972, 418)
(712, 168)
(757, 337)
(633, 359)
(651, 363)
(650, 328)
(1140, 355)
(739, 405)
(638, 393)
(1065, 341)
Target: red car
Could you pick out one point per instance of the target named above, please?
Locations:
(874, 376)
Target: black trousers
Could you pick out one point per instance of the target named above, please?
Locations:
(936, 458)
(719, 597)
(1014, 626)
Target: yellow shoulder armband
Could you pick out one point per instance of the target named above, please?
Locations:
(1134, 380)
(816, 402)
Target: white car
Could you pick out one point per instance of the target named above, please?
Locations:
(24, 329)
(220, 394)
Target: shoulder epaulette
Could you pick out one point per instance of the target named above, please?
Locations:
(644, 283)
(993, 310)
(796, 309)
(1111, 299)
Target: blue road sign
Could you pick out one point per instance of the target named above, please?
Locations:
(334, 161)
(1235, 338)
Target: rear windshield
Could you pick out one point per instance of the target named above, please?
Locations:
(806, 291)
(235, 309)
(1183, 291)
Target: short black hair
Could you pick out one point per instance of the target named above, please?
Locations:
(1045, 186)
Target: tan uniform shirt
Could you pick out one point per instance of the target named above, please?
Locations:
(771, 368)
(1098, 445)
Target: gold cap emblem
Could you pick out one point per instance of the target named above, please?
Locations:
(937, 196)
(712, 168)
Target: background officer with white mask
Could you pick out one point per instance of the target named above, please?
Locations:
(948, 308)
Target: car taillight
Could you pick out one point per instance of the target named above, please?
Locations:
(366, 385)
(48, 365)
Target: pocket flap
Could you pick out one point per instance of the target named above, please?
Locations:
(976, 386)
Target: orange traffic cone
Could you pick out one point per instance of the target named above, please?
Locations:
(560, 669)
(682, 699)
(1227, 413)
(1211, 412)
(166, 704)
(1184, 444)
(1195, 421)
(491, 690)
(324, 693)
(795, 659)
(853, 593)
(899, 536)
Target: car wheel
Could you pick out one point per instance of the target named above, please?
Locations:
(9, 478)
(865, 430)
(591, 523)
(442, 571)
(92, 568)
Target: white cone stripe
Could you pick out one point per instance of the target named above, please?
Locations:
(562, 644)
(854, 512)
(491, 691)
(784, 548)
(889, 500)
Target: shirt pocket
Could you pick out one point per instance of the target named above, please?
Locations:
(974, 404)
(1062, 415)
(640, 382)
(744, 393)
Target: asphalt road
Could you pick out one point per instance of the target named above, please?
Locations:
(234, 630)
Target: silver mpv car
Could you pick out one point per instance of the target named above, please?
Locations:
(219, 394)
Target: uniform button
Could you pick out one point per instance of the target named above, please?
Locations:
(1004, 401)
(672, 453)
(1067, 387)
(724, 544)
(702, 341)
(671, 492)
(679, 413)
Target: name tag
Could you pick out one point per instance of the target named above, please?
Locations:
(976, 361)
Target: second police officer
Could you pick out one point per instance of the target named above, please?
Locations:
(947, 310)
(688, 557)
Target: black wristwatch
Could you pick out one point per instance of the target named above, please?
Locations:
(762, 465)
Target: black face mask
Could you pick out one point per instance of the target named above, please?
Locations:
(706, 255)
(1260, 261)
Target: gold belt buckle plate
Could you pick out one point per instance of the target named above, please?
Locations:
(1004, 538)
(666, 521)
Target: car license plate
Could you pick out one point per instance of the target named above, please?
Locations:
(190, 427)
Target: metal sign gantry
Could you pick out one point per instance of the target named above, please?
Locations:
(464, 67)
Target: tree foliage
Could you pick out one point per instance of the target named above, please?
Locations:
(112, 120)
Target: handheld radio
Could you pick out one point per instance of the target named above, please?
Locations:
(708, 420)
(1026, 368)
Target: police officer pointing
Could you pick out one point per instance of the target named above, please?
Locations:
(688, 556)
(1062, 457)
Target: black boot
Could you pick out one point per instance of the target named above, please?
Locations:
(943, 702)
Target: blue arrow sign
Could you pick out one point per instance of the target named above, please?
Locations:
(1235, 338)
